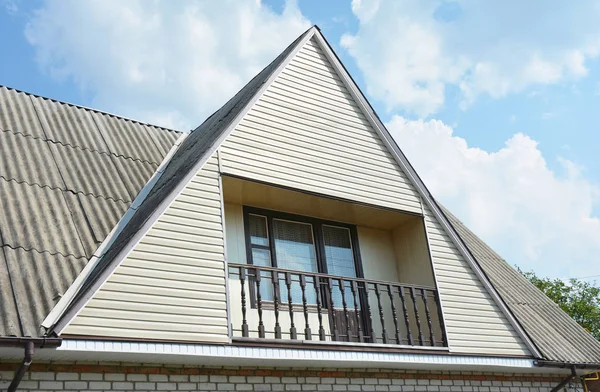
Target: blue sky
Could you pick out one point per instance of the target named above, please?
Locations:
(495, 103)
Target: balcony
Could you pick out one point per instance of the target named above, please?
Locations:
(307, 269)
(274, 303)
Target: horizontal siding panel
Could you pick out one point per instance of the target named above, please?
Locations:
(154, 325)
(138, 315)
(172, 285)
(145, 334)
(264, 174)
(135, 306)
(314, 169)
(143, 299)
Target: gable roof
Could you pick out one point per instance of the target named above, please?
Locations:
(556, 334)
(188, 158)
(67, 175)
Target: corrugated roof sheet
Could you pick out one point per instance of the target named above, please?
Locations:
(556, 335)
(64, 183)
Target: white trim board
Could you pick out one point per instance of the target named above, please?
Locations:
(280, 357)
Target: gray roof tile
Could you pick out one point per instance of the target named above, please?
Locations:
(163, 140)
(69, 125)
(37, 218)
(134, 173)
(128, 139)
(38, 281)
(18, 114)
(90, 172)
(28, 159)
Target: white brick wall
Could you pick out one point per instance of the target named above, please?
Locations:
(65, 381)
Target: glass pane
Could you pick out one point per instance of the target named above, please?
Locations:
(340, 261)
(295, 250)
(261, 257)
(258, 230)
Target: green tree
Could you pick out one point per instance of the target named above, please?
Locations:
(579, 299)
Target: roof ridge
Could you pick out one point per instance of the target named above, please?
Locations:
(92, 109)
(56, 188)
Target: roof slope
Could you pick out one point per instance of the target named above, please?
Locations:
(557, 336)
(67, 175)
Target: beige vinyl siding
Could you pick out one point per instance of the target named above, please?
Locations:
(172, 285)
(474, 323)
(306, 132)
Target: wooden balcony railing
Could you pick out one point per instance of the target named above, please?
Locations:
(283, 304)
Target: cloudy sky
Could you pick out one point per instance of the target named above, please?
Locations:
(495, 103)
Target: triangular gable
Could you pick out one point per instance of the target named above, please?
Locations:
(309, 60)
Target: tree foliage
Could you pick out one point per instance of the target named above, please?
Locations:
(579, 299)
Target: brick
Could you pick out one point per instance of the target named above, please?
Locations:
(145, 385)
(158, 377)
(312, 387)
(225, 387)
(262, 387)
(179, 378)
(91, 376)
(371, 381)
(51, 385)
(342, 381)
(67, 376)
(313, 380)
(244, 387)
(166, 386)
(28, 385)
(293, 387)
(76, 385)
(324, 387)
(207, 386)
(255, 379)
(275, 380)
(114, 377)
(6, 375)
(186, 386)
(99, 385)
(197, 378)
(367, 388)
(218, 378)
(41, 376)
(127, 386)
(137, 377)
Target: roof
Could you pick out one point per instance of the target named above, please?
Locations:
(67, 175)
(52, 151)
(557, 336)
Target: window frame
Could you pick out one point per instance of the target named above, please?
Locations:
(317, 230)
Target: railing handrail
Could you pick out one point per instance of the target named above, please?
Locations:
(327, 276)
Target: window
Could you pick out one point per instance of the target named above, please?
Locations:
(300, 243)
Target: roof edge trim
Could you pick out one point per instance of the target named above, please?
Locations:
(64, 319)
(422, 189)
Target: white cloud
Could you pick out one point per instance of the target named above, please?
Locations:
(533, 216)
(167, 62)
(411, 50)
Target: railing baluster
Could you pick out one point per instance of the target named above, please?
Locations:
(381, 318)
(371, 327)
(406, 319)
(358, 317)
(288, 282)
(261, 326)
(331, 309)
(440, 318)
(428, 314)
(394, 314)
(307, 333)
(275, 277)
(345, 307)
(414, 299)
(245, 329)
(319, 308)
